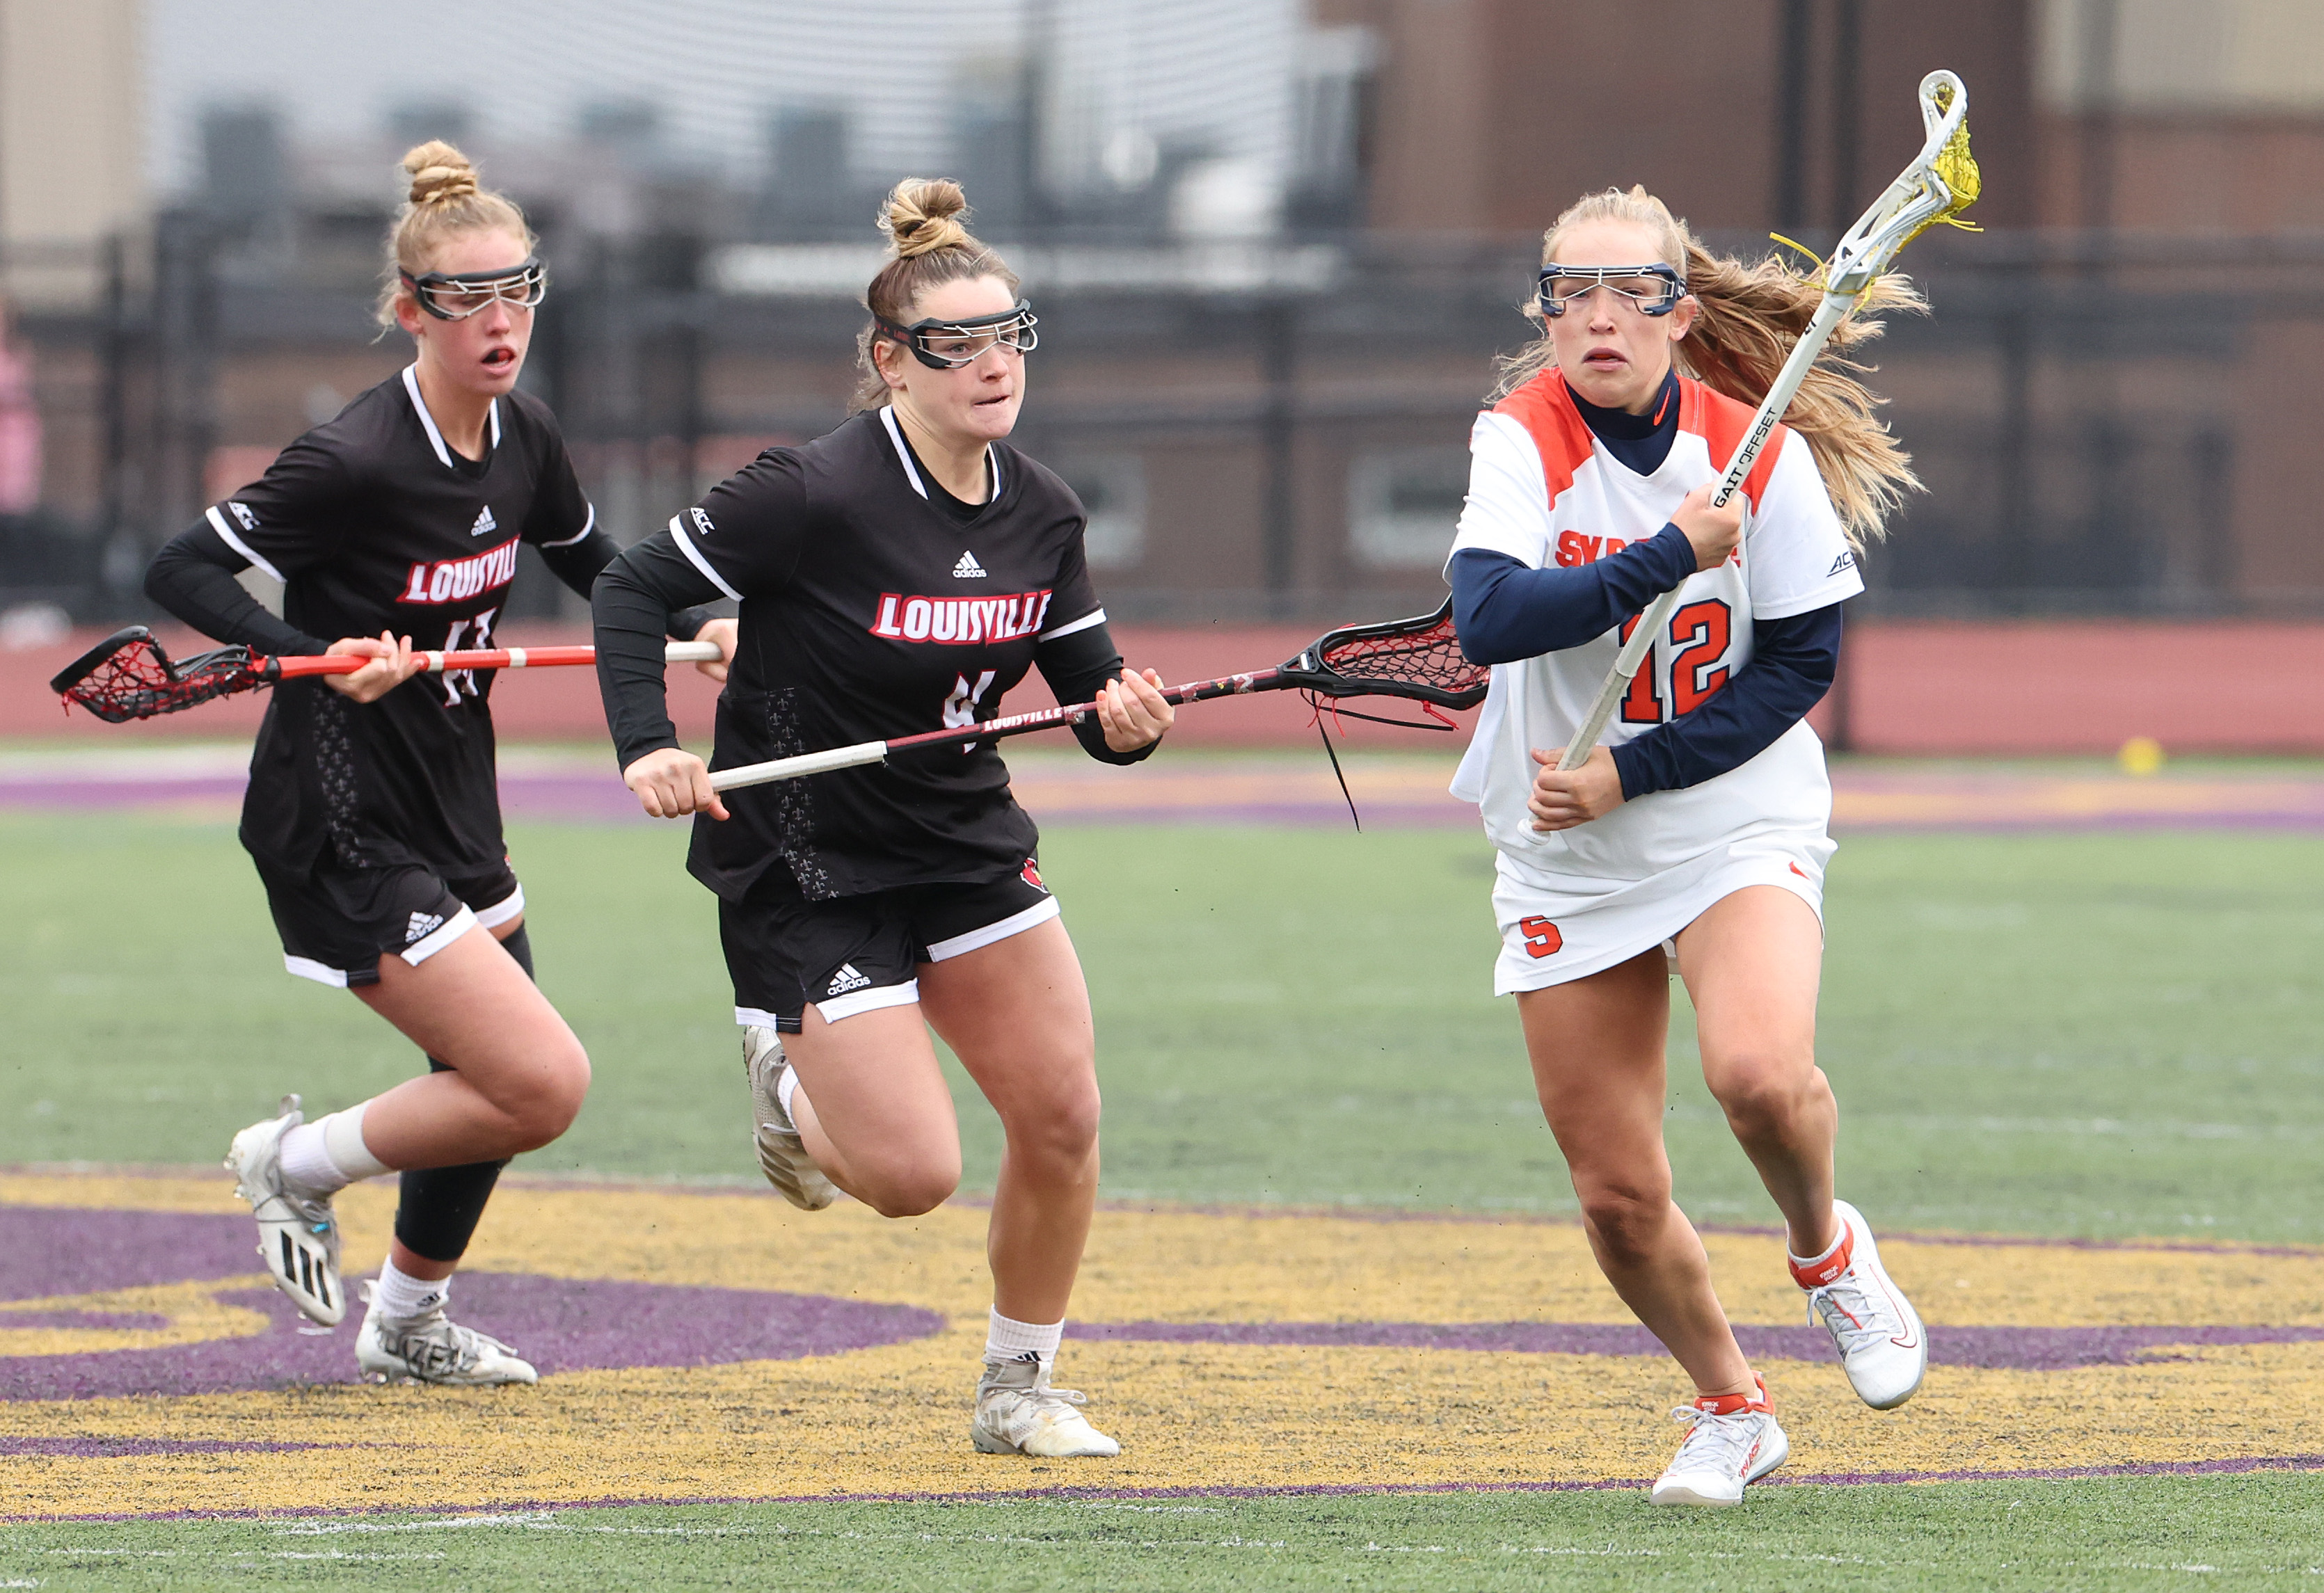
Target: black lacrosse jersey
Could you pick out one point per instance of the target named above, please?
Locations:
(372, 523)
(869, 612)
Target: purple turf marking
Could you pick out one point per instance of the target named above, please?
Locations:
(108, 1449)
(560, 1324)
(51, 1251)
(2005, 1348)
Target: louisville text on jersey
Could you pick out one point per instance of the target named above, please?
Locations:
(960, 621)
(456, 580)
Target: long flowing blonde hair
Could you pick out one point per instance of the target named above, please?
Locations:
(1750, 317)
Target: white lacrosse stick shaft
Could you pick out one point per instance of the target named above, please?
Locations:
(1916, 199)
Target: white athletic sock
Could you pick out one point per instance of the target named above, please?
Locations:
(307, 1164)
(400, 1295)
(324, 1156)
(1010, 1340)
(1805, 1262)
(785, 1088)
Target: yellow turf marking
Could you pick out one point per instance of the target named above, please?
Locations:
(893, 1420)
(196, 1317)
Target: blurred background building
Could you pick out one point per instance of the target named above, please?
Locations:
(1275, 246)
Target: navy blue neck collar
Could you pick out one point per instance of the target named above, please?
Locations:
(1642, 442)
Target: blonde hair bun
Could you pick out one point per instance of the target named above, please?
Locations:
(924, 215)
(439, 173)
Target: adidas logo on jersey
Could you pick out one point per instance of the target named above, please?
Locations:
(847, 978)
(484, 522)
(422, 926)
(968, 569)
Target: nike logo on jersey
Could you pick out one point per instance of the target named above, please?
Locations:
(422, 926)
(847, 978)
(960, 622)
(967, 569)
(456, 580)
(484, 522)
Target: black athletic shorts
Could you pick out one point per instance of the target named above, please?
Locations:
(336, 923)
(853, 953)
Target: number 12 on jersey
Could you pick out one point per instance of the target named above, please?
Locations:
(1687, 668)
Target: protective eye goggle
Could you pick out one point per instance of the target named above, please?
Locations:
(947, 345)
(1650, 289)
(455, 296)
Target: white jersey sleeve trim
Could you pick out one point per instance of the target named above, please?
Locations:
(587, 526)
(678, 535)
(1094, 617)
(1507, 508)
(307, 967)
(226, 534)
(427, 420)
(903, 453)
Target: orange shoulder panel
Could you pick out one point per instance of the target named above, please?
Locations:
(1720, 422)
(1544, 410)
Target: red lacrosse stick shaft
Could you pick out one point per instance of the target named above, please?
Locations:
(507, 657)
(1017, 724)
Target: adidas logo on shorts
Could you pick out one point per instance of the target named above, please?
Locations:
(422, 926)
(847, 978)
(967, 569)
(484, 522)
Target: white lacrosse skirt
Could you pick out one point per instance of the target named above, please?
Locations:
(1560, 928)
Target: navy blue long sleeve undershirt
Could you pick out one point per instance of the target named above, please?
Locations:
(1504, 612)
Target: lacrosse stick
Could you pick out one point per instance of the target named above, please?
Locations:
(127, 676)
(1418, 659)
(1940, 182)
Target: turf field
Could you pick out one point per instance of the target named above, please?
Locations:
(2066, 1035)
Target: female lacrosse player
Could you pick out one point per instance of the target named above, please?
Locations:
(1702, 829)
(371, 812)
(901, 574)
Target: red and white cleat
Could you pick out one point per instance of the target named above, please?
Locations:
(1881, 1343)
(1734, 1440)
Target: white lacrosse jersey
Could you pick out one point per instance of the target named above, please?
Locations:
(1542, 489)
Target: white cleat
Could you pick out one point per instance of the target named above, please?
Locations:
(1018, 1414)
(1878, 1334)
(296, 1233)
(1734, 1440)
(431, 1348)
(782, 1153)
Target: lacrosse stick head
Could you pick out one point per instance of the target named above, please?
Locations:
(128, 676)
(1938, 185)
(1418, 658)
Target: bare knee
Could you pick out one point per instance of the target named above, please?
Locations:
(1762, 1093)
(905, 1191)
(1625, 1219)
(1055, 1140)
(550, 1098)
